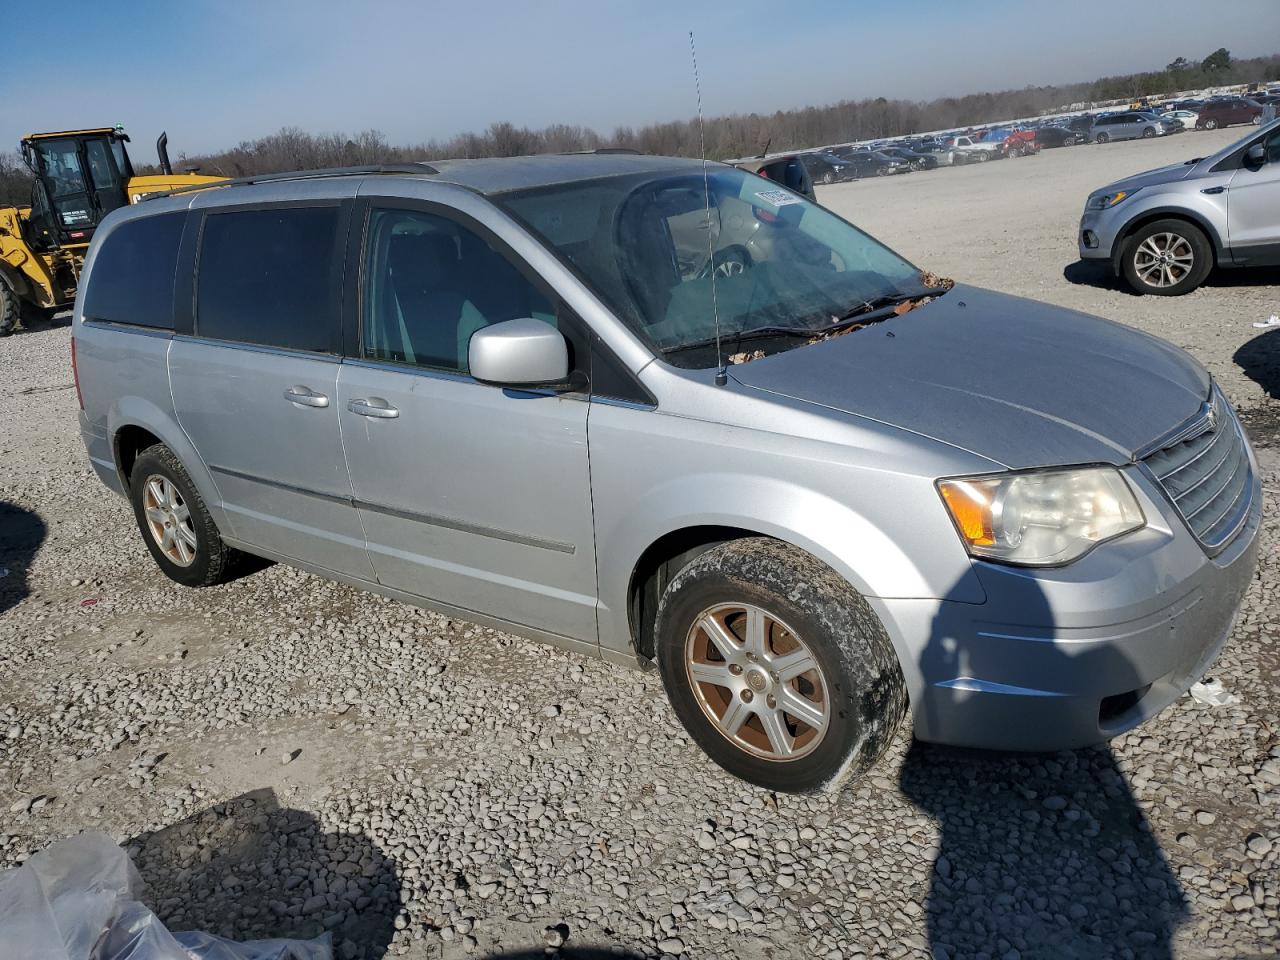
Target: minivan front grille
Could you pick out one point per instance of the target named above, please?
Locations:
(1206, 473)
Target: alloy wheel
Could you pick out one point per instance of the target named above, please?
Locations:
(1164, 259)
(757, 682)
(169, 520)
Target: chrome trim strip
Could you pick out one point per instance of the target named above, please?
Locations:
(447, 523)
(164, 333)
(975, 685)
(257, 348)
(1195, 425)
(464, 527)
(305, 491)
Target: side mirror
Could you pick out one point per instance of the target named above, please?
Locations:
(1256, 155)
(521, 353)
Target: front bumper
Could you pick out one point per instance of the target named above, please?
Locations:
(1097, 235)
(1067, 657)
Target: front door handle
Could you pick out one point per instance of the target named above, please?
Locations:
(305, 396)
(373, 407)
(1212, 190)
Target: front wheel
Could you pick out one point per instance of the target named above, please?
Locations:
(778, 669)
(1147, 133)
(1211, 124)
(1167, 258)
(1101, 138)
(10, 310)
(1257, 120)
(981, 156)
(828, 177)
(883, 171)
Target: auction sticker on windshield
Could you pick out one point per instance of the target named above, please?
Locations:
(778, 198)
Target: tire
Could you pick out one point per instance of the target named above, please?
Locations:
(1256, 120)
(1188, 249)
(855, 675)
(1101, 138)
(156, 472)
(1211, 124)
(982, 156)
(10, 310)
(883, 171)
(1147, 133)
(828, 177)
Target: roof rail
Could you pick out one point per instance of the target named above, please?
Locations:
(420, 169)
(603, 151)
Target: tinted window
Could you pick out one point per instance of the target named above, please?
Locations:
(430, 284)
(132, 279)
(266, 276)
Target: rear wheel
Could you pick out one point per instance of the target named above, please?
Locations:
(10, 310)
(1167, 258)
(779, 670)
(175, 523)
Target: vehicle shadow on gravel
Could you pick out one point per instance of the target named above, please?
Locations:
(1259, 360)
(21, 533)
(250, 869)
(1092, 273)
(1047, 855)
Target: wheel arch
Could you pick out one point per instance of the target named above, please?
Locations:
(1153, 214)
(134, 424)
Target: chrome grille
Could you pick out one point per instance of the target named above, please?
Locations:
(1206, 473)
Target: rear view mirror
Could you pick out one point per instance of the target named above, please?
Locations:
(1256, 155)
(520, 353)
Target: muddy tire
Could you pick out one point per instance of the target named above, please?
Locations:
(10, 310)
(175, 523)
(755, 629)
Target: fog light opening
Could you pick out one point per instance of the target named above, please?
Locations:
(1114, 708)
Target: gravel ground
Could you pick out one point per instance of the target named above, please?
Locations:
(285, 755)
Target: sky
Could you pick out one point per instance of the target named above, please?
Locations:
(214, 74)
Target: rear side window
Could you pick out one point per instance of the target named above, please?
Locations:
(268, 277)
(132, 279)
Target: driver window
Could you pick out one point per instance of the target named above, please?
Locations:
(1273, 146)
(431, 283)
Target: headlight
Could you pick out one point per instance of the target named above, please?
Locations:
(1043, 518)
(1107, 200)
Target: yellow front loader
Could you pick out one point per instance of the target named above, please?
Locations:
(79, 176)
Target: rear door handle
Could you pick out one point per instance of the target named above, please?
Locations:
(305, 396)
(373, 407)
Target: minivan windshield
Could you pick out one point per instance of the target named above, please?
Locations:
(784, 269)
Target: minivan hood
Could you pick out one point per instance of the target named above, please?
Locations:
(1016, 381)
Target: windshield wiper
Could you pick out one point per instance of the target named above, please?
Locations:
(868, 311)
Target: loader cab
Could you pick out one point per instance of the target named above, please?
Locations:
(80, 177)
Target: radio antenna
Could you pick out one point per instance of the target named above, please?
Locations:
(722, 372)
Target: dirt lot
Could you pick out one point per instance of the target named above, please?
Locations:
(284, 755)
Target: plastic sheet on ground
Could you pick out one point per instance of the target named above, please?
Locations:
(80, 900)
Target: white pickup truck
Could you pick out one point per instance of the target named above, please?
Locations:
(972, 149)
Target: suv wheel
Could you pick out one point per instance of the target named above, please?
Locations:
(1211, 124)
(1101, 138)
(778, 669)
(10, 309)
(174, 521)
(1167, 258)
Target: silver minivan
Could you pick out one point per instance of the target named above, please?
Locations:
(675, 416)
(1128, 126)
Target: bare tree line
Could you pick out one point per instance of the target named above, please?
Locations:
(729, 136)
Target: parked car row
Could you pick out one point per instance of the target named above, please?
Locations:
(1146, 120)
